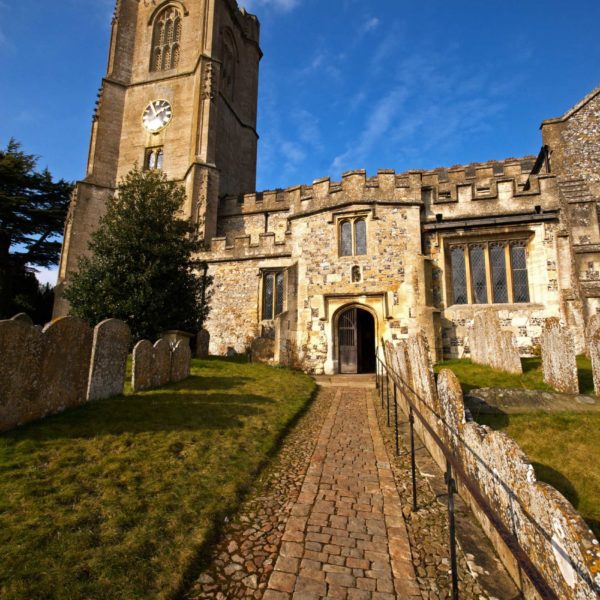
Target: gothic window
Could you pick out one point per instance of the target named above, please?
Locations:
(153, 159)
(166, 39)
(518, 260)
(459, 275)
(353, 237)
(499, 264)
(273, 294)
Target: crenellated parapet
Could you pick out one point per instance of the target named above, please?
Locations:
(268, 246)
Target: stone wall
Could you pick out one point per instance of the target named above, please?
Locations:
(559, 360)
(491, 346)
(546, 527)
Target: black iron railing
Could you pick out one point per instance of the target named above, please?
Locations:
(454, 468)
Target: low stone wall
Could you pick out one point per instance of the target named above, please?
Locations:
(155, 366)
(559, 359)
(548, 529)
(44, 371)
(491, 346)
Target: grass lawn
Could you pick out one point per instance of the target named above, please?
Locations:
(478, 376)
(119, 499)
(564, 449)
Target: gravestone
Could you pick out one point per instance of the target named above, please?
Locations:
(109, 358)
(202, 344)
(594, 350)
(162, 363)
(20, 363)
(23, 318)
(66, 353)
(262, 350)
(143, 366)
(559, 361)
(452, 406)
(180, 361)
(491, 346)
(593, 325)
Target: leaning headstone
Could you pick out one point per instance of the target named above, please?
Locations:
(594, 350)
(162, 363)
(559, 362)
(181, 357)
(143, 366)
(452, 407)
(593, 325)
(202, 344)
(20, 363)
(66, 352)
(23, 318)
(491, 346)
(109, 358)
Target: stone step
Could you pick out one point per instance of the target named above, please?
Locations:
(366, 381)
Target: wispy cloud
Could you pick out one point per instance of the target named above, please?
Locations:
(278, 5)
(370, 25)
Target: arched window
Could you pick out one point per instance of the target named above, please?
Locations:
(346, 239)
(166, 38)
(360, 236)
(154, 159)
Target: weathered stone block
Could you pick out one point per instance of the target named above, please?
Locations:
(202, 344)
(20, 363)
(162, 363)
(109, 358)
(181, 357)
(491, 346)
(559, 361)
(143, 366)
(453, 407)
(67, 349)
(593, 325)
(262, 350)
(594, 350)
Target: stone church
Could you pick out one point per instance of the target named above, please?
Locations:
(320, 274)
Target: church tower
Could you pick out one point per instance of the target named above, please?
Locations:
(180, 94)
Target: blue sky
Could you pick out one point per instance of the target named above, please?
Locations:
(344, 84)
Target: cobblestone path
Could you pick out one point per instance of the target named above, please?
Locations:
(346, 537)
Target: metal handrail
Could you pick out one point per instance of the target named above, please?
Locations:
(509, 539)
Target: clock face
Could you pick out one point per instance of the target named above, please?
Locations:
(158, 114)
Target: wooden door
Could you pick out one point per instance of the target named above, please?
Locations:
(348, 340)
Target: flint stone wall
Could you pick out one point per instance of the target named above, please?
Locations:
(180, 361)
(559, 361)
(491, 346)
(110, 348)
(549, 530)
(42, 371)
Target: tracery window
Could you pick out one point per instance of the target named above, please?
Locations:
(166, 39)
(353, 237)
(487, 272)
(154, 158)
(273, 294)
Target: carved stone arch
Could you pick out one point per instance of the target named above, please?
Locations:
(175, 3)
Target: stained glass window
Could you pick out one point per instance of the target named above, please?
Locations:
(268, 295)
(518, 260)
(165, 40)
(360, 228)
(273, 294)
(477, 256)
(346, 239)
(498, 265)
(459, 275)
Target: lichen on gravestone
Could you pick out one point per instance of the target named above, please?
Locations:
(559, 361)
(181, 357)
(143, 366)
(162, 363)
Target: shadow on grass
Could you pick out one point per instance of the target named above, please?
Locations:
(585, 375)
(185, 406)
(531, 364)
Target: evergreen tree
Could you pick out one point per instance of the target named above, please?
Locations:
(33, 208)
(141, 267)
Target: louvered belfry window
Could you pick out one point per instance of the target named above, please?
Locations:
(166, 40)
(489, 272)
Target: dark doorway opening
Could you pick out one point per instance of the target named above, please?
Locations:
(356, 338)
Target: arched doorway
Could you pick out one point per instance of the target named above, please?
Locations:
(356, 341)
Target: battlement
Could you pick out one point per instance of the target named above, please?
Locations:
(243, 247)
(494, 180)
